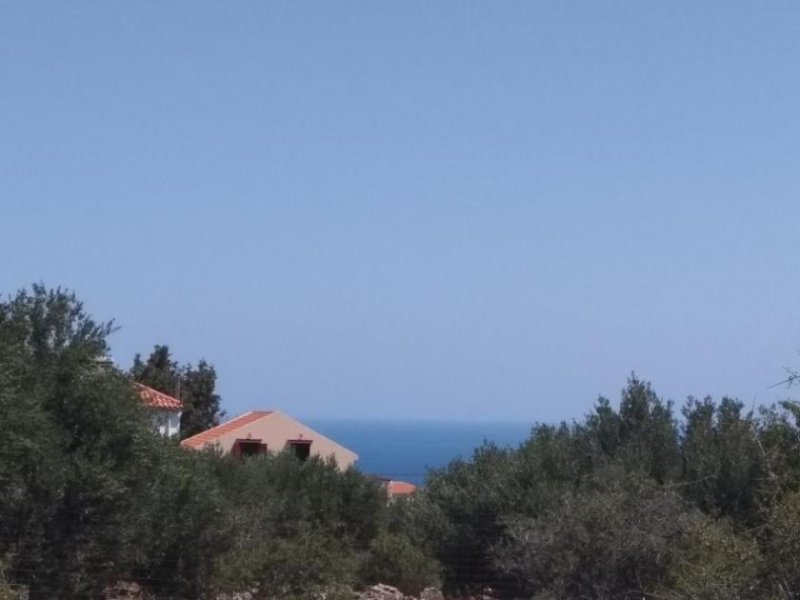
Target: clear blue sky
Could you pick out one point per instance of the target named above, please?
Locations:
(415, 209)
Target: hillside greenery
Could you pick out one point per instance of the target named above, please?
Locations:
(638, 499)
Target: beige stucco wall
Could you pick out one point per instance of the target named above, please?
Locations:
(277, 428)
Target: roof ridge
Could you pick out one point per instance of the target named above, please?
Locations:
(156, 398)
(208, 435)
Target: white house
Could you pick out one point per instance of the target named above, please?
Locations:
(166, 409)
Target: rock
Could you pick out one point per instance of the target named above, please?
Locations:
(382, 592)
(124, 590)
(431, 593)
(387, 592)
(238, 596)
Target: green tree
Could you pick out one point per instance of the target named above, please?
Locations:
(715, 562)
(471, 498)
(300, 528)
(159, 371)
(616, 537)
(69, 457)
(724, 469)
(76, 450)
(648, 431)
(194, 386)
(304, 567)
(201, 402)
(783, 544)
(402, 562)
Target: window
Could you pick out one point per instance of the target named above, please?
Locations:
(301, 448)
(245, 448)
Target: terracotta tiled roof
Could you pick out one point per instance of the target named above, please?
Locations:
(210, 435)
(155, 399)
(401, 488)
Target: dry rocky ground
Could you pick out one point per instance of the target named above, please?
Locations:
(132, 591)
(387, 592)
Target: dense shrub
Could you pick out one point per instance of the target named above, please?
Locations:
(617, 537)
(626, 503)
(89, 495)
(302, 567)
(277, 495)
(783, 544)
(397, 560)
(299, 528)
(714, 562)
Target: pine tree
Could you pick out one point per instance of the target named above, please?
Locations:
(159, 371)
(201, 403)
(194, 386)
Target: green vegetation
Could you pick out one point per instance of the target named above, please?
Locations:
(90, 495)
(628, 504)
(634, 502)
(195, 386)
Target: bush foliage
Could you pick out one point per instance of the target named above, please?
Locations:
(630, 502)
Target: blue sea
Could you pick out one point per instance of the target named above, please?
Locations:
(405, 450)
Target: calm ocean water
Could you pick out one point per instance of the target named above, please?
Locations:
(407, 449)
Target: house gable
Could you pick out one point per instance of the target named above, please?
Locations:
(277, 432)
(221, 432)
